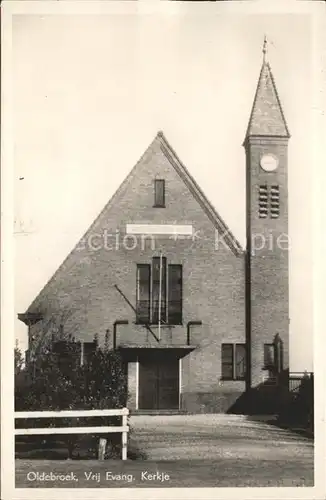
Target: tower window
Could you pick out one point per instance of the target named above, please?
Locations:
(233, 361)
(263, 201)
(159, 193)
(275, 201)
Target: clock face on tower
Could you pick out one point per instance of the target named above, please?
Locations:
(269, 162)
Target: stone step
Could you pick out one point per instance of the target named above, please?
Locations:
(158, 412)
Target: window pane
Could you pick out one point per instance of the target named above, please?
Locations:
(227, 361)
(157, 284)
(269, 355)
(175, 294)
(67, 353)
(159, 193)
(240, 361)
(89, 351)
(143, 291)
(60, 347)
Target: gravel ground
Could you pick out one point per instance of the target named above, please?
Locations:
(193, 451)
(180, 437)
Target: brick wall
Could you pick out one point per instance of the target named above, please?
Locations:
(268, 295)
(213, 278)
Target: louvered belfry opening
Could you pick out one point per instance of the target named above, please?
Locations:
(275, 201)
(268, 201)
(263, 201)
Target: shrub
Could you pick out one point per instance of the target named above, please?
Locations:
(59, 382)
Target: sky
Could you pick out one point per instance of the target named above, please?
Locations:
(91, 92)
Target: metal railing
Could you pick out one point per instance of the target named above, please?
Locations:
(148, 312)
(296, 379)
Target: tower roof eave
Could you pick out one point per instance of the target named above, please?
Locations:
(265, 136)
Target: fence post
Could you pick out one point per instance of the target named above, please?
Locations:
(124, 437)
(101, 449)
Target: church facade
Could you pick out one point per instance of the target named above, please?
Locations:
(199, 321)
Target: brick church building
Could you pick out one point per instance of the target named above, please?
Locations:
(199, 321)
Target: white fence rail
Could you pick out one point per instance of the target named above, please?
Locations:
(124, 428)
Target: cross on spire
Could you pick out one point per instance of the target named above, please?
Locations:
(264, 48)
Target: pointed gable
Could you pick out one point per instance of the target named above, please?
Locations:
(267, 118)
(119, 207)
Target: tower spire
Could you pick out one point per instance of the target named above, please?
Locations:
(267, 118)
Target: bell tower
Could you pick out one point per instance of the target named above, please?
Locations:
(268, 245)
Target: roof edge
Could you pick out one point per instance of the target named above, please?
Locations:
(124, 183)
(201, 198)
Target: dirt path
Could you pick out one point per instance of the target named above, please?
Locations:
(216, 436)
(192, 451)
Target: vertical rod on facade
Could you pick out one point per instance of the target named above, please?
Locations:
(160, 299)
(124, 437)
(81, 353)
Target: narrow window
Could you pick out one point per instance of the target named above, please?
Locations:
(275, 201)
(66, 353)
(269, 356)
(159, 290)
(240, 361)
(143, 293)
(159, 193)
(60, 347)
(263, 201)
(227, 361)
(89, 351)
(175, 294)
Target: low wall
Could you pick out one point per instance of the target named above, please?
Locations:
(209, 402)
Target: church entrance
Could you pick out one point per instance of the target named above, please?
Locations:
(159, 382)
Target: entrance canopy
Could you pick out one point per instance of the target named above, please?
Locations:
(135, 350)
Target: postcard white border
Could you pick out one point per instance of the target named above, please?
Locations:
(9, 8)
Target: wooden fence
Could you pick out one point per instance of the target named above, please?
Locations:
(124, 428)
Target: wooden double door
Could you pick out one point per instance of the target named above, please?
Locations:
(159, 383)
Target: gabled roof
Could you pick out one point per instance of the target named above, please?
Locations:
(198, 194)
(33, 313)
(267, 117)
